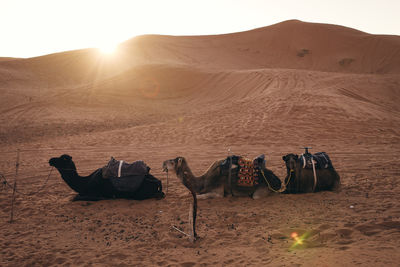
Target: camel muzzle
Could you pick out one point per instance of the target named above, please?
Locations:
(164, 167)
(167, 165)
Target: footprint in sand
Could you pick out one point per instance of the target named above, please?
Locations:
(370, 229)
(188, 264)
(344, 232)
(344, 235)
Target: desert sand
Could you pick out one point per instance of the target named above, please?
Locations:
(270, 90)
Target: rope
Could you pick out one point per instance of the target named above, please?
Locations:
(5, 182)
(167, 181)
(230, 175)
(283, 188)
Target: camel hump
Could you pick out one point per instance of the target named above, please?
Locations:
(119, 168)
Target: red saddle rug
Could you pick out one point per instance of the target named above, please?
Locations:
(248, 174)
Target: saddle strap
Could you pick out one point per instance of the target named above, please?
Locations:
(120, 167)
(304, 161)
(315, 175)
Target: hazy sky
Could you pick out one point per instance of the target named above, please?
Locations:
(37, 27)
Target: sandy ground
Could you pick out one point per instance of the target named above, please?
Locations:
(270, 90)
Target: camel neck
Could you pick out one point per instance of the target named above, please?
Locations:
(292, 181)
(189, 180)
(72, 178)
(186, 175)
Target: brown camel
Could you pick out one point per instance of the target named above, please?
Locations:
(302, 180)
(215, 183)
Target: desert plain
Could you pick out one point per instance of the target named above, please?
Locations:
(270, 90)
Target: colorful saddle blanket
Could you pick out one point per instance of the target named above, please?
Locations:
(248, 175)
(247, 171)
(321, 159)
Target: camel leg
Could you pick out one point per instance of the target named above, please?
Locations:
(261, 192)
(216, 193)
(336, 186)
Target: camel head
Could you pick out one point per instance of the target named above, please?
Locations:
(291, 161)
(173, 164)
(63, 162)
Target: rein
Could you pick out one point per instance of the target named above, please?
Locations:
(167, 181)
(32, 193)
(283, 188)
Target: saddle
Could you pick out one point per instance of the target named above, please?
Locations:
(321, 160)
(125, 177)
(119, 168)
(246, 170)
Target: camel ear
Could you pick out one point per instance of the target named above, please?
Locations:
(284, 158)
(66, 157)
(179, 162)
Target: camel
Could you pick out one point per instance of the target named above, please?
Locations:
(95, 187)
(301, 180)
(214, 183)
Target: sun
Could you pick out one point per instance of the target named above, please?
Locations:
(108, 48)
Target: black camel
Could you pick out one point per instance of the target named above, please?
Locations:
(95, 187)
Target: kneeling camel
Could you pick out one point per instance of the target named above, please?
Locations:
(215, 183)
(303, 180)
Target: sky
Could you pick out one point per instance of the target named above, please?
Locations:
(31, 28)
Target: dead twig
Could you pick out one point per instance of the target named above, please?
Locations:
(180, 231)
(14, 188)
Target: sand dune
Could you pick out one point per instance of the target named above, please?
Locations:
(269, 90)
(291, 44)
(8, 58)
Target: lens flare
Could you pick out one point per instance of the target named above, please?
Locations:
(299, 241)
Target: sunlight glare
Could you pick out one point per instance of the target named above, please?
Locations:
(108, 48)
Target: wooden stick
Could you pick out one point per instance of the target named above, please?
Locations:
(14, 188)
(180, 231)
